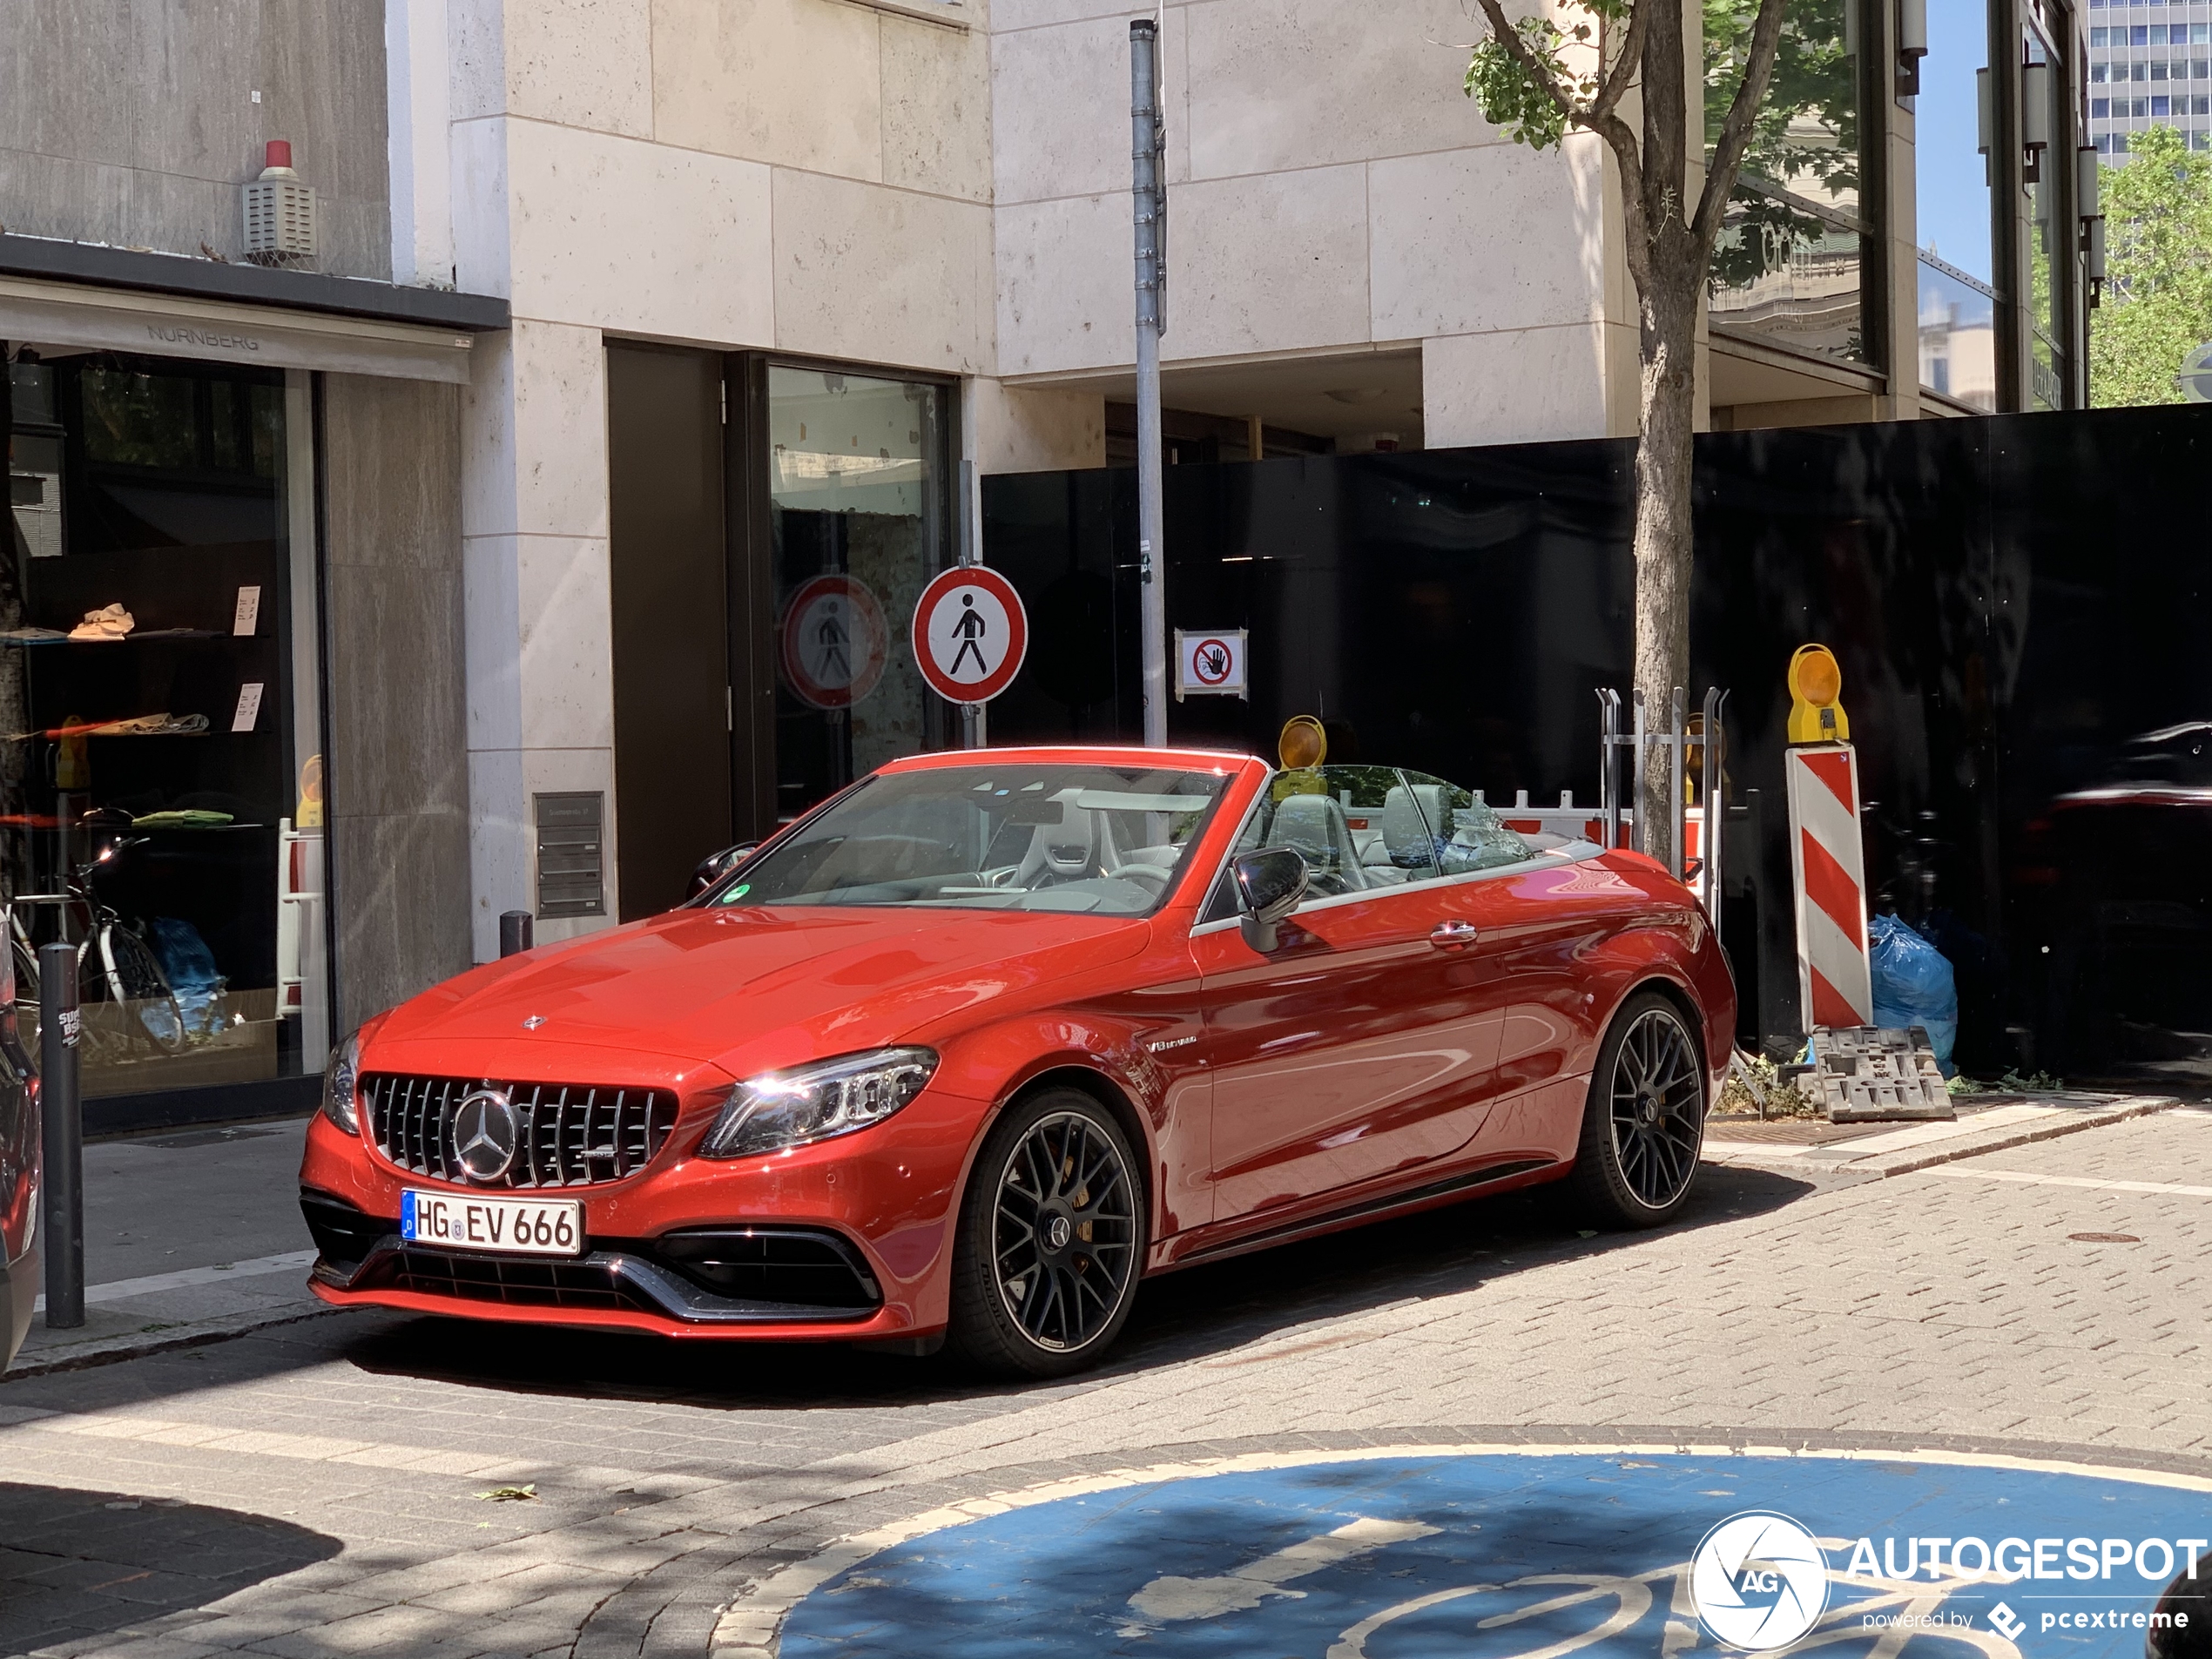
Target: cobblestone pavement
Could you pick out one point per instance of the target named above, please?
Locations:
(375, 1484)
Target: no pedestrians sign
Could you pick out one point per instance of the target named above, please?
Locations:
(970, 634)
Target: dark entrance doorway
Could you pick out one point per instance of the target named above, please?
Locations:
(771, 526)
(669, 580)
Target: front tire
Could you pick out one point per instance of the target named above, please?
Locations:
(1051, 1239)
(1644, 1123)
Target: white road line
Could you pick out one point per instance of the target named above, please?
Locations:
(122, 1290)
(1964, 1172)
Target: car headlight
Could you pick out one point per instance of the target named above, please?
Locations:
(781, 1108)
(341, 1084)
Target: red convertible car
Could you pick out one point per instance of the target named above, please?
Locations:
(975, 1045)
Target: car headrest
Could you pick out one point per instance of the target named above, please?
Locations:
(1315, 826)
(1410, 836)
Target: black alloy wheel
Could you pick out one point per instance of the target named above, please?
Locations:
(1645, 1121)
(1051, 1238)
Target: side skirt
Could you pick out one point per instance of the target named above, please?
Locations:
(1371, 1209)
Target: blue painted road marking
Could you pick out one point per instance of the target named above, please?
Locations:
(1499, 1556)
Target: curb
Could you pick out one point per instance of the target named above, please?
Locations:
(106, 1351)
(1835, 1158)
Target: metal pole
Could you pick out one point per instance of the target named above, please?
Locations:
(1637, 819)
(1608, 752)
(1150, 204)
(62, 1126)
(1677, 737)
(1715, 808)
(516, 932)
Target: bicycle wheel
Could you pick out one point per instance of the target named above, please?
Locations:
(117, 967)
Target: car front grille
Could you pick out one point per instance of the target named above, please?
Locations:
(572, 1135)
(516, 1283)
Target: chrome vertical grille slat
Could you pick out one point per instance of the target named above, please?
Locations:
(571, 1134)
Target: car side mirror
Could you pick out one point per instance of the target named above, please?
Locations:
(1271, 883)
(713, 869)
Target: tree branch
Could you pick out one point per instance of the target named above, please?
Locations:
(1509, 38)
(1624, 67)
(1736, 131)
(1598, 117)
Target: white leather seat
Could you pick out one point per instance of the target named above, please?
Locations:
(1315, 826)
(1413, 820)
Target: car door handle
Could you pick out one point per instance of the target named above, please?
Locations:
(1453, 935)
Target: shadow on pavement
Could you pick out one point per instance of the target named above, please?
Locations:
(1188, 1314)
(77, 1565)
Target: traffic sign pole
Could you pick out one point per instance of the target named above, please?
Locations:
(1150, 189)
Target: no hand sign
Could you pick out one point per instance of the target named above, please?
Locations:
(1209, 664)
(835, 641)
(970, 634)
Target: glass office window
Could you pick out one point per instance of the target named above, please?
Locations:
(161, 782)
(2048, 241)
(1788, 265)
(1958, 291)
(859, 507)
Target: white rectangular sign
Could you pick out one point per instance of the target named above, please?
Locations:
(247, 617)
(1209, 663)
(249, 707)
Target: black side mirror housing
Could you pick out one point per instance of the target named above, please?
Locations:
(1271, 883)
(713, 868)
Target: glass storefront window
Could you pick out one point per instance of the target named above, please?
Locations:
(1958, 291)
(860, 505)
(1788, 265)
(160, 802)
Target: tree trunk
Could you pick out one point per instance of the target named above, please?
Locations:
(1667, 312)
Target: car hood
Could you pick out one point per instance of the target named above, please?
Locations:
(745, 989)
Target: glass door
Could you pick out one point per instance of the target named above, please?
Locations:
(860, 518)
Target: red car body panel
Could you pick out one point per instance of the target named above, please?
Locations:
(1359, 1066)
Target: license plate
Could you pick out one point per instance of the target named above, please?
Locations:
(456, 1221)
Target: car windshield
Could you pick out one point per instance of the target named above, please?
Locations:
(1105, 839)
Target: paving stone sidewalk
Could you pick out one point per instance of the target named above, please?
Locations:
(190, 1234)
(2050, 1298)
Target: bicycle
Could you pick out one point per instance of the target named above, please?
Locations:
(117, 970)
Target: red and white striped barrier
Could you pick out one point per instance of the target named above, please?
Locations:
(1827, 860)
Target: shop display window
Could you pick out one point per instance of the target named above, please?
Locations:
(160, 778)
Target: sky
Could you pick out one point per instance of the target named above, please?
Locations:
(1954, 199)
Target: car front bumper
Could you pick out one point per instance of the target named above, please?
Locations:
(865, 1218)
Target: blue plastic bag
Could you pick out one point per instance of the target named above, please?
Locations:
(189, 966)
(1913, 985)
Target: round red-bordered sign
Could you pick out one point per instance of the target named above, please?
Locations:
(1212, 660)
(836, 641)
(970, 634)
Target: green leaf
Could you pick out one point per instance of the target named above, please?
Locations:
(2158, 289)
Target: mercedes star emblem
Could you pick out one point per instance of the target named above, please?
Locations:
(486, 1133)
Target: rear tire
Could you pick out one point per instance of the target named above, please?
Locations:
(1644, 1123)
(1051, 1238)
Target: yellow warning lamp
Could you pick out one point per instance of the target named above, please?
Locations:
(1816, 683)
(73, 761)
(1301, 747)
(310, 815)
(1302, 743)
